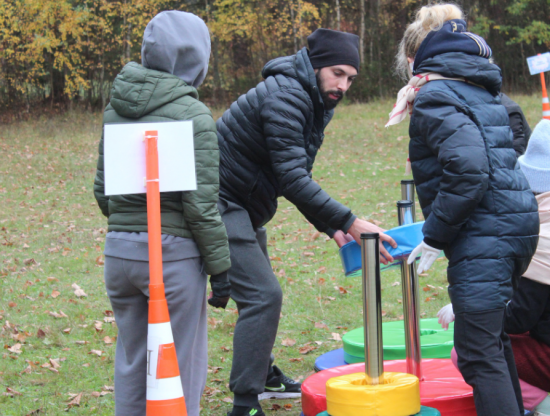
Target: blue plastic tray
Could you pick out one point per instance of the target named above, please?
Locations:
(407, 238)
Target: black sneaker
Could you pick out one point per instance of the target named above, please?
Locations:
(246, 411)
(279, 386)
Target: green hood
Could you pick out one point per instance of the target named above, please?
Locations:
(137, 91)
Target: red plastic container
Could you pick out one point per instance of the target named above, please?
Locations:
(442, 388)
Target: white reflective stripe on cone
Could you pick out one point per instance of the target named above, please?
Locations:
(546, 113)
(545, 100)
(167, 389)
(157, 335)
(162, 331)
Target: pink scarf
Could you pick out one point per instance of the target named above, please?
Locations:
(405, 97)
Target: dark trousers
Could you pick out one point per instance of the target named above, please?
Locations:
(486, 361)
(256, 290)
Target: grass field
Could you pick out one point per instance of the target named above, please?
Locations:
(58, 345)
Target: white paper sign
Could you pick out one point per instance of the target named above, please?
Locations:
(124, 157)
(539, 63)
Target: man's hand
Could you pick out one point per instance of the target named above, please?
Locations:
(341, 239)
(361, 226)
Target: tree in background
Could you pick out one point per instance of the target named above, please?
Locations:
(60, 52)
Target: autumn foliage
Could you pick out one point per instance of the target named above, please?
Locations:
(60, 52)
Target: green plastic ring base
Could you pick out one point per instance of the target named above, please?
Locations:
(435, 342)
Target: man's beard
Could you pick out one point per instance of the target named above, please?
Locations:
(330, 103)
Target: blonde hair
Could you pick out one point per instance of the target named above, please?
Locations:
(428, 18)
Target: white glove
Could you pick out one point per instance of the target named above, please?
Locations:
(429, 254)
(446, 316)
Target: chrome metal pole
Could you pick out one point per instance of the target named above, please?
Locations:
(372, 308)
(408, 193)
(411, 299)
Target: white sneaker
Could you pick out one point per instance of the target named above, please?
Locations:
(540, 414)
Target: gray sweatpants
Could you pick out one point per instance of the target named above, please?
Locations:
(259, 297)
(127, 280)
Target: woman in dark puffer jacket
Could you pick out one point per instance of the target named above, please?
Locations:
(476, 201)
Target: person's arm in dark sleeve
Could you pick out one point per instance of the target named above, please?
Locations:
(526, 307)
(520, 140)
(283, 117)
(460, 149)
(99, 181)
(319, 226)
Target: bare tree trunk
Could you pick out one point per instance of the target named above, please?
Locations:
(292, 17)
(217, 78)
(51, 86)
(300, 23)
(101, 82)
(362, 32)
(128, 45)
(337, 14)
(379, 57)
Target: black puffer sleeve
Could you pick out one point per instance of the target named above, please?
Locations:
(283, 116)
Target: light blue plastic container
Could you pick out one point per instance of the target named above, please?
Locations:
(407, 238)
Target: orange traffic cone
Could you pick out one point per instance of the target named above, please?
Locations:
(545, 103)
(164, 391)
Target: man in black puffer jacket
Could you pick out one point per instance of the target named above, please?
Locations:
(268, 141)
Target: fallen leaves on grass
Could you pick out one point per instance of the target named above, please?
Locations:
(55, 294)
(56, 315)
(74, 400)
(307, 349)
(342, 290)
(336, 336)
(78, 291)
(321, 325)
(27, 370)
(96, 352)
(11, 392)
(108, 340)
(288, 342)
(16, 349)
(210, 391)
(315, 236)
(293, 360)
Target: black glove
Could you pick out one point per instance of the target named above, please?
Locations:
(221, 290)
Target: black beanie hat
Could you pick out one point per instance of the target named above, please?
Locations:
(331, 47)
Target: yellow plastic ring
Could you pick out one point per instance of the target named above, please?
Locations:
(350, 395)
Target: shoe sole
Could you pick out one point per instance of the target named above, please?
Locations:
(278, 395)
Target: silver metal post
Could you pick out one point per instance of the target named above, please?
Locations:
(372, 308)
(408, 193)
(411, 300)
